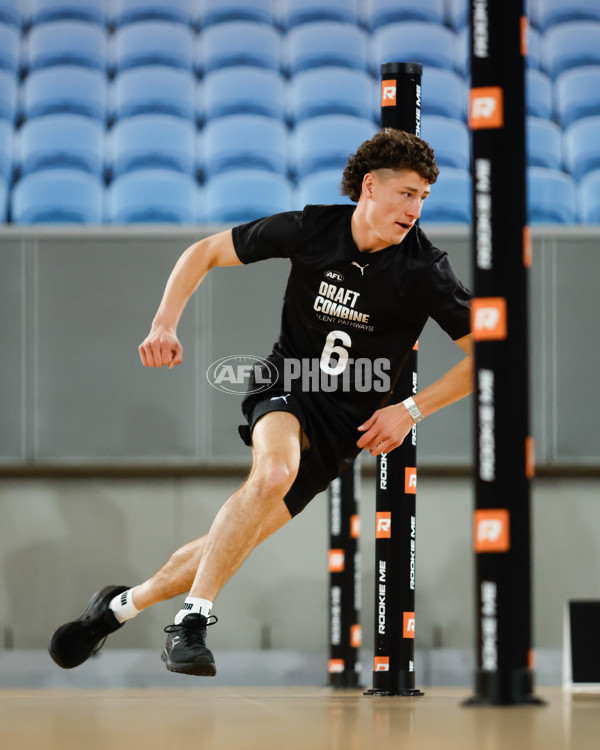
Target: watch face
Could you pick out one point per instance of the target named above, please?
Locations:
(415, 413)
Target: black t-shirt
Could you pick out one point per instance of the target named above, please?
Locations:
(342, 306)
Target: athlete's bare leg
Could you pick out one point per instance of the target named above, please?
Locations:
(173, 578)
(249, 516)
(242, 521)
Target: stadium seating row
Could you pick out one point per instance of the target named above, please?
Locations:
(229, 43)
(166, 90)
(70, 196)
(75, 42)
(163, 89)
(316, 144)
(283, 13)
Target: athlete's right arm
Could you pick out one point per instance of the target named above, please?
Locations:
(161, 346)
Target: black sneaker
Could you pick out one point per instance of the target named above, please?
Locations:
(76, 641)
(185, 650)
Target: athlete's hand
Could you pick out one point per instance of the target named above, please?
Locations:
(385, 430)
(161, 347)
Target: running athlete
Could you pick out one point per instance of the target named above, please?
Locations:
(363, 282)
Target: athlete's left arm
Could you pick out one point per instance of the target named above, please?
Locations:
(388, 427)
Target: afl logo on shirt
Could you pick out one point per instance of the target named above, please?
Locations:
(334, 275)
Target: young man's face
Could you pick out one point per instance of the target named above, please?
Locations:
(394, 199)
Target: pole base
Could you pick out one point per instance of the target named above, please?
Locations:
(409, 692)
(345, 681)
(507, 688)
(394, 682)
(477, 701)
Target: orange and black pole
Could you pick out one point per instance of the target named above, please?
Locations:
(396, 490)
(499, 317)
(344, 579)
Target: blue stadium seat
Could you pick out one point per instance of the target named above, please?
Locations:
(534, 49)
(66, 43)
(41, 11)
(449, 140)
(551, 197)
(65, 88)
(152, 196)
(10, 42)
(462, 58)
(246, 194)
(58, 196)
(570, 45)
(132, 11)
(554, 12)
(241, 89)
(324, 91)
(384, 12)
(582, 146)
(314, 45)
(544, 143)
(199, 103)
(10, 12)
(8, 96)
(70, 141)
(157, 89)
(239, 43)
(152, 142)
(450, 199)
(153, 43)
(458, 14)
(218, 11)
(426, 43)
(444, 93)
(589, 198)
(577, 93)
(296, 12)
(532, 11)
(6, 150)
(321, 188)
(327, 142)
(538, 90)
(3, 201)
(244, 141)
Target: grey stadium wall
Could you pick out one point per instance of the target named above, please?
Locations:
(76, 303)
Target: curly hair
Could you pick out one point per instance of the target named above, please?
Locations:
(388, 149)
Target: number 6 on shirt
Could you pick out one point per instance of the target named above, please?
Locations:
(331, 348)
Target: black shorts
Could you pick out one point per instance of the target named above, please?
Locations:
(330, 449)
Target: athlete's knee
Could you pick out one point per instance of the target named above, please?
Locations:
(273, 477)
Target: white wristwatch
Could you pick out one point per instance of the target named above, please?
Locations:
(413, 409)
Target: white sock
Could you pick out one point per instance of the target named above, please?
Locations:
(193, 605)
(123, 607)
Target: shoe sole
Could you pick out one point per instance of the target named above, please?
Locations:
(208, 669)
(66, 630)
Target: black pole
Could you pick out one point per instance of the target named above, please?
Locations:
(395, 542)
(503, 446)
(344, 579)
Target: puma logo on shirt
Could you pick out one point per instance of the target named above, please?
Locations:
(362, 268)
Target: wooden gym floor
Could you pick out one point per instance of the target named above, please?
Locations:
(288, 719)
